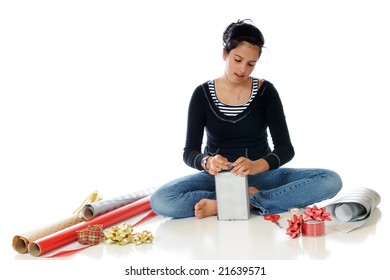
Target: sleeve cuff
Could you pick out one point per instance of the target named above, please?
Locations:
(273, 160)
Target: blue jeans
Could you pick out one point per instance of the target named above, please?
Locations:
(280, 190)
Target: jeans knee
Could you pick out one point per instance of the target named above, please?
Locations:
(163, 205)
(335, 182)
(157, 202)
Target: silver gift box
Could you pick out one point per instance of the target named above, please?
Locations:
(232, 196)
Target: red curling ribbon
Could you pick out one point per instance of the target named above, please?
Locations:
(294, 226)
(313, 228)
(317, 214)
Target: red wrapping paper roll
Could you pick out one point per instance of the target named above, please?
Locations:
(68, 235)
(20, 242)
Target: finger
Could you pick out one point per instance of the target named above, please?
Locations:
(218, 166)
(240, 160)
(212, 172)
(215, 169)
(238, 170)
(222, 161)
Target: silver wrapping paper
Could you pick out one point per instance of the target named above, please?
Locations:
(99, 207)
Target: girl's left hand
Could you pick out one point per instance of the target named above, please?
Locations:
(243, 166)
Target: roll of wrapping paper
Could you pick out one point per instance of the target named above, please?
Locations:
(20, 242)
(71, 250)
(68, 235)
(94, 209)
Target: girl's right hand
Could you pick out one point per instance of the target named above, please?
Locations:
(217, 163)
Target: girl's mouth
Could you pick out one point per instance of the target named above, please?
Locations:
(240, 77)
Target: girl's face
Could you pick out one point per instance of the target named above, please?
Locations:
(241, 62)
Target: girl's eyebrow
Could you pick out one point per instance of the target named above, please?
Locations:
(240, 57)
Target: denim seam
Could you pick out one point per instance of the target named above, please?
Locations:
(271, 196)
(258, 210)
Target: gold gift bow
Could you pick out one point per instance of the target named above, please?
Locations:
(123, 234)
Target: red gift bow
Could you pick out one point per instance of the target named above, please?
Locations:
(317, 214)
(294, 226)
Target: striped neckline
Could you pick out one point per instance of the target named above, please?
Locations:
(228, 109)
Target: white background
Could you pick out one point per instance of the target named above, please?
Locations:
(94, 94)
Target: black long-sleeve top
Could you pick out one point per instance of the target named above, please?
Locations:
(244, 134)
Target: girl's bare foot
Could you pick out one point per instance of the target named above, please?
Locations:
(253, 190)
(205, 208)
(208, 207)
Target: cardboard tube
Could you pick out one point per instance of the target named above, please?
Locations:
(20, 242)
(68, 235)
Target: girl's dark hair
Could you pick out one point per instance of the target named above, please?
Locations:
(240, 31)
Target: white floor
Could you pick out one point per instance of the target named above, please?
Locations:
(212, 243)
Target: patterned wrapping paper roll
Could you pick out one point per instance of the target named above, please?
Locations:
(68, 235)
(100, 207)
(20, 242)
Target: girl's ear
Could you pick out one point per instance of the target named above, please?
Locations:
(224, 54)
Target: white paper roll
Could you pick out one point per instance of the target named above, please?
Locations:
(347, 212)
